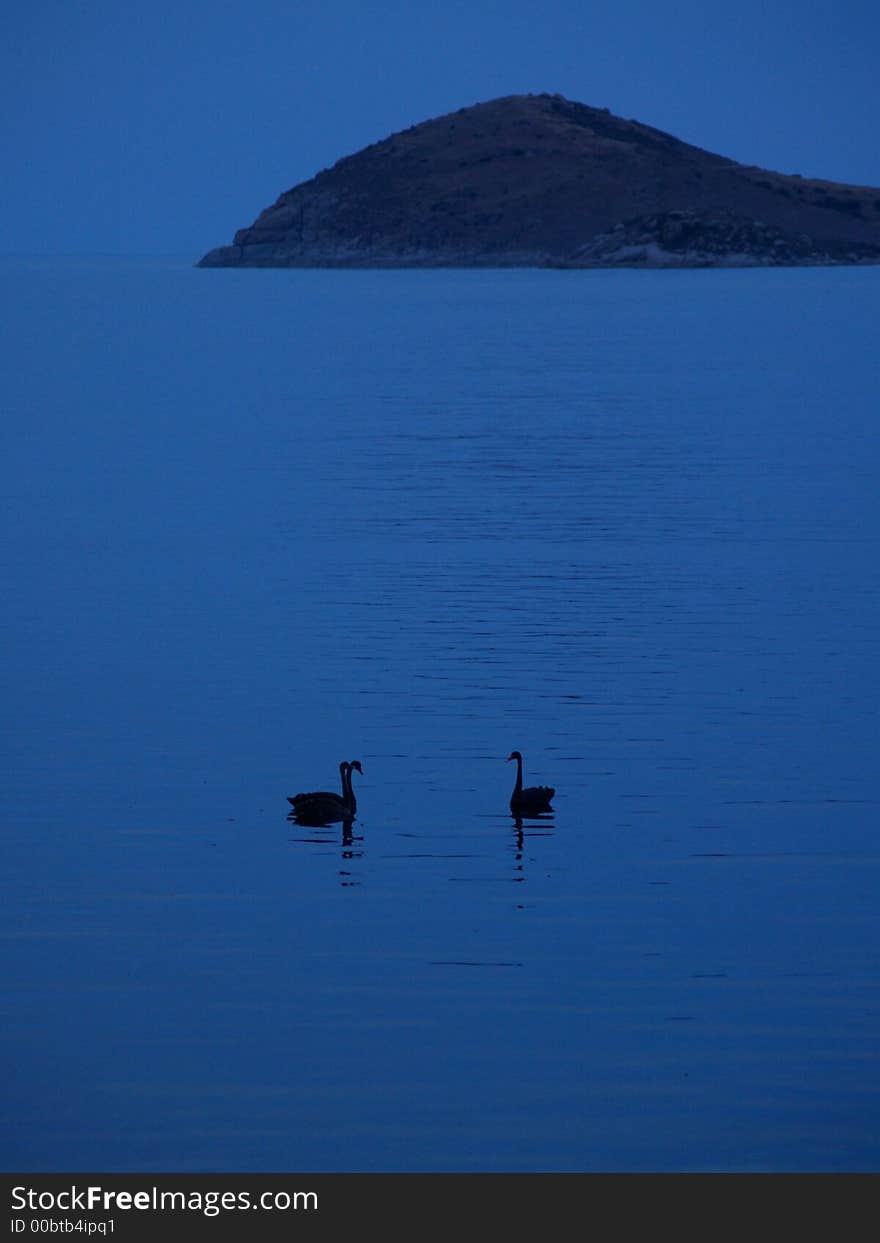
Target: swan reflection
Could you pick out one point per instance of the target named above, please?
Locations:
(351, 843)
(526, 826)
(352, 850)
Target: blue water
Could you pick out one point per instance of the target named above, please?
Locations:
(260, 522)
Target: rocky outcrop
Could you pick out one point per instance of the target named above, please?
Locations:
(679, 239)
(538, 181)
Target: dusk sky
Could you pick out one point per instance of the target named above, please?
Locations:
(161, 128)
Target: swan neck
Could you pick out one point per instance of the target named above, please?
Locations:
(347, 791)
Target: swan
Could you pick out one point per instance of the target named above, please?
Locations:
(530, 799)
(324, 806)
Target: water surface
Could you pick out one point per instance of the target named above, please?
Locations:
(259, 522)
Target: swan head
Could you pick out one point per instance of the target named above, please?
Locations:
(355, 765)
(514, 755)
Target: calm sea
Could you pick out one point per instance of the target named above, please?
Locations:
(260, 522)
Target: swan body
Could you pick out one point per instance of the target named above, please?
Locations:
(322, 806)
(528, 799)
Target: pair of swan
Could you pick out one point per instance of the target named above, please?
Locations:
(322, 807)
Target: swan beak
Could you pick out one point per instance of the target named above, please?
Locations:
(509, 758)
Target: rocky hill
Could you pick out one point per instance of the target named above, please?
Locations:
(539, 181)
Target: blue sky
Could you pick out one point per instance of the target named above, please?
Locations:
(162, 127)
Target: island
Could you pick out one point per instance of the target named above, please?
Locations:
(541, 181)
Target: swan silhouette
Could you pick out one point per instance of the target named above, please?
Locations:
(323, 807)
(528, 800)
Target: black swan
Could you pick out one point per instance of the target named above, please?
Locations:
(532, 799)
(322, 806)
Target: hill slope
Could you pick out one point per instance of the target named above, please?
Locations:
(536, 180)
